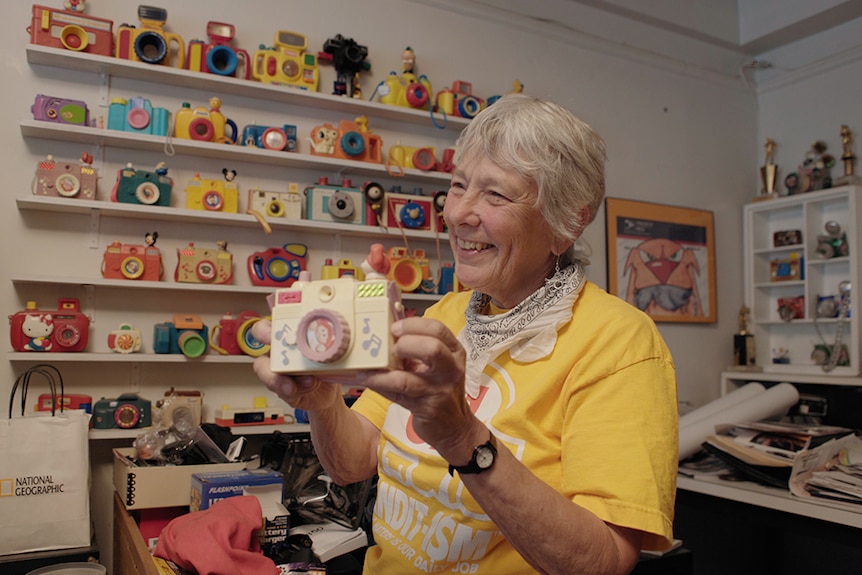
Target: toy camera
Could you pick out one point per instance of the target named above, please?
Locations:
(60, 110)
(66, 180)
(326, 203)
(336, 325)
(186, 335)
(277, 267)
(204, 125)
(65, 329)
(417, 158)
(348, 57)
(287, 63)
(143, 187)
(137, 115)
(268, 205)
(127, 411)
(66, 401)
(132, 262)
(203, 265)
(344, 267)
(460, 101)
(218, 57)
(125, 339)
(72, 31)
(350, 141)
(232, 335)
(413, 212)
(407, 91)
(270, 137)
(150, 43)
(408, 269)
(212, 195)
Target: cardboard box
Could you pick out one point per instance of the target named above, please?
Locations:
(211, 487)
(151, 487)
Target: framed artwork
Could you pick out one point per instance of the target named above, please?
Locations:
(661, 259)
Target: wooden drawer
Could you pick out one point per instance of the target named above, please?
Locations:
(131, 556)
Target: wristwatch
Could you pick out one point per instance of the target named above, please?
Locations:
(482, 460)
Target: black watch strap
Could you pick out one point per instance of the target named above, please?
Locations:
(482, 460)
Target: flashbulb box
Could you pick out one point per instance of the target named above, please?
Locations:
(208, 488)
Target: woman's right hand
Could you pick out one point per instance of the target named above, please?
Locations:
(303, 391)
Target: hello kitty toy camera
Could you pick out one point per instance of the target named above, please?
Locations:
(65, 329)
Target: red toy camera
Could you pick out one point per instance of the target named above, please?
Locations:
(65, 329)
(72, 31)
(277, 267)
(232, 335)
(132, 262)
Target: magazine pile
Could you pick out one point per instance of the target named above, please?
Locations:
(832, 471)
(768, 452)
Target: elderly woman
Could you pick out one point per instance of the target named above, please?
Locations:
(533, 425)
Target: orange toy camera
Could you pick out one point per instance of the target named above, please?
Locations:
(203, 265)
(350, 141)
(65, 179)
(150, 43)
(132, 262)
(72, 31)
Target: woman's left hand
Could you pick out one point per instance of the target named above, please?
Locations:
(430, 383)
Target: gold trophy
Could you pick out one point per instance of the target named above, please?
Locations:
(768, 173)
(849, 159)
(743, 344)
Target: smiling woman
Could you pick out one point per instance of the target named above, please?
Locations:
(530, 380)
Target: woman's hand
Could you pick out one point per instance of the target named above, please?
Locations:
(303, 392)
(430, 383)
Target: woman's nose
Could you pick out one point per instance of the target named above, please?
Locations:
(460, 210)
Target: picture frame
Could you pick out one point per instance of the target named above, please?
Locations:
(661, 259)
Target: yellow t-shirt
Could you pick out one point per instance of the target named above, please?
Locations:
(607, 394)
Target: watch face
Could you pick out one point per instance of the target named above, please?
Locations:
(484, 457)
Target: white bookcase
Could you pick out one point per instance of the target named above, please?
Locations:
(775, 274)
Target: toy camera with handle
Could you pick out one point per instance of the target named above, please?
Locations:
(186, 334)
(287, 63)
(204, 125)
(150, 43)
(143, 187)
(65, 179)
(218, 56)
(127, 411)
(267, 205)
(132, 262)
(66, 329)
(334, 326)
(277, 267)
(232, 335)
(71, 31)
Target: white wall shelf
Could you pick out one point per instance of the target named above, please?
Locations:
(112, 434)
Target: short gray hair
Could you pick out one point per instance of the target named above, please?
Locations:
(548, 145)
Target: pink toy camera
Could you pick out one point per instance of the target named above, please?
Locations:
(277, 267)
(65, 329)
(60, 110)
(132, 262)
(65, 179)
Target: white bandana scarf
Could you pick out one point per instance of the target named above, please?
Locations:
(528, 331)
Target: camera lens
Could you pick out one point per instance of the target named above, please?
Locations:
(192, 344)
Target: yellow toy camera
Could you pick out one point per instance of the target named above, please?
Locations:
(204, 125)
(407, 91)
(287, 63)
(334, 326)
(212, 195)
(150, 43)
(203, 265)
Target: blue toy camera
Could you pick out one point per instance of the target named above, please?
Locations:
(270, 137)
(187, 335)
(142, 187)
(137, 115)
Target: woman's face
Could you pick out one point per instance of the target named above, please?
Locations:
(502, 245)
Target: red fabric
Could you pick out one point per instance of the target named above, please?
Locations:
(221, 540)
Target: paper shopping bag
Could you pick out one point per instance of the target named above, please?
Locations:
(44, 476)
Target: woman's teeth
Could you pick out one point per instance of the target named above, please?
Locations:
(477, 246)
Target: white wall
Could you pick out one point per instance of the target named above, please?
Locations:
(675, 134)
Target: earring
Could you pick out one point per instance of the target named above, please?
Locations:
(557, 266)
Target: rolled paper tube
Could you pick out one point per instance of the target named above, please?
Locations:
(736, 396)
(773, 402)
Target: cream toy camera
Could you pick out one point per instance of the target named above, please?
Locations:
(287, 205)
(334, 326)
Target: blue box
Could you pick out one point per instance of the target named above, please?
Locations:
(209, 488)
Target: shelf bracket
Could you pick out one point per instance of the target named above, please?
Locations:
(104, 89)
(95, 220)
(135, 377)
(90, 302)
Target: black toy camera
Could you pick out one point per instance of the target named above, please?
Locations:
(125, 412)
